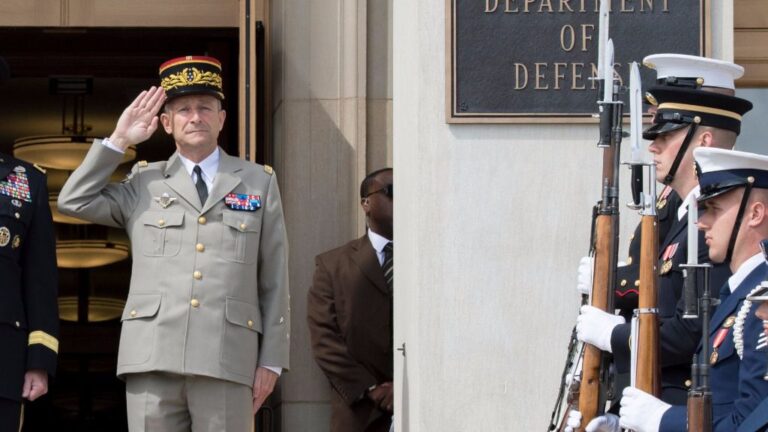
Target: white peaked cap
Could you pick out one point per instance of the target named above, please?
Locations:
(713, 72)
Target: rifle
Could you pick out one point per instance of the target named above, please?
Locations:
(700, 394)
(593, 389)
(646, 372)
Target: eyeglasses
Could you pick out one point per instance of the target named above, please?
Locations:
(386, 190)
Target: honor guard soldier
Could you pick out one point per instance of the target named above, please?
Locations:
(29, 315)
(206, 324)
(758, 420)
(686, 117)
(734, 191)
(675, 70)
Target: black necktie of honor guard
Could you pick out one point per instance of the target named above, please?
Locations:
(202, 189)
(387, 266)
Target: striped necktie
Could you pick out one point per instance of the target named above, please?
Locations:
(387, 266)
(202, 189)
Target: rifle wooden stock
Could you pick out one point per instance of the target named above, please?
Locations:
(606, 228)
(648, 371)
(699, 412)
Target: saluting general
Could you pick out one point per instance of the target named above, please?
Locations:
(206, 326)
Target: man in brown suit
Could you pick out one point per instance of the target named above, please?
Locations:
(350, 316)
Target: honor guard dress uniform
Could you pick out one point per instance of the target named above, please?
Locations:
(681, 71)
(628, 276)
(758, 420)
(680, 102)
(208, 296)
(678, 338)
(737, 364)
(29, 316)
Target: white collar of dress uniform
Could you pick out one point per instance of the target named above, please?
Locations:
(693, 195)
(744, 270)
(209, 166)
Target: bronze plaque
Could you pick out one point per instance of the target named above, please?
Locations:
(519, 61)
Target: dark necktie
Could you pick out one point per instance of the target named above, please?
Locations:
(387, 266)
(202, 189)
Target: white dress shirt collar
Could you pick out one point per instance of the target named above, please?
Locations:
(744, 270)
(209, 166)
(378, 243)
(693, 195)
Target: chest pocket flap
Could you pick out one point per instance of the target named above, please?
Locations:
(241, 221)
(162, 233)
(163, 219)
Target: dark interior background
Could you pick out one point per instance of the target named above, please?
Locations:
(86, 396)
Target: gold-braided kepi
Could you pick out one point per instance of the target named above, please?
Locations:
(191, 75)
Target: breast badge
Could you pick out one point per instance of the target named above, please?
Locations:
(243, 202)
(5, 236)
(165, 200)
(16, 185)
(16, 241)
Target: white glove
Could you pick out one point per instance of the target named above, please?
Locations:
(584, 277)
(575, 374)
(573, 422)
(640, 411)
(604, 423)
(594, 327)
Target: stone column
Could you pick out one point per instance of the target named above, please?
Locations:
(327, 135)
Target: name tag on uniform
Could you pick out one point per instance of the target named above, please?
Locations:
(243, 202)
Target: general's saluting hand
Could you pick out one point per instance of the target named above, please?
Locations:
(139, 120)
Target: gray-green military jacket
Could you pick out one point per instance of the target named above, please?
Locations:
(209, 284)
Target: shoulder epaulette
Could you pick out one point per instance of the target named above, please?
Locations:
(143, 164)
(39, 168)
(268, 169)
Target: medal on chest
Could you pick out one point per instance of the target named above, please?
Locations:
(16, 185)
(720, 338)
(662, 201)
(666, 258)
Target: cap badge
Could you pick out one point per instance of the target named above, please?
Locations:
(191, 76)
(651, 99)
